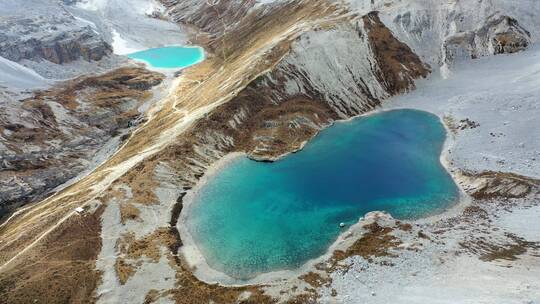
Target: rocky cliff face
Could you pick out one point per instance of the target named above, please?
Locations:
(58, 38)
(211, 17)
(329, 73)
(499, 35)
(59, 48)
(351, 66)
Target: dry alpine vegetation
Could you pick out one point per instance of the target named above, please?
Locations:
(265, 88)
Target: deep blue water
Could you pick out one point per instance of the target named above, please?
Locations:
(170, 57)
(254, 217)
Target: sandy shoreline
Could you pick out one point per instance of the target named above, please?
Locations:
(204, 272)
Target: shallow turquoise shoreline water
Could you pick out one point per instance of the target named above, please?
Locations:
(254, 217)
(170, 57)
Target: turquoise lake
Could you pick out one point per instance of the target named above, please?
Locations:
(170, 57)
(255, 217)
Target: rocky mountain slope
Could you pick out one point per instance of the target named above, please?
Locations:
(54, 130)
(56, 134)
(277, 72)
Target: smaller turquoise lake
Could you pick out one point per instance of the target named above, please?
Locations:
(170, 57)
(255, 217)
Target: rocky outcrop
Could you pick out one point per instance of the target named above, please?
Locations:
(499, 35)
(398, 65)
(211, 17)
(426, 25)
(59, 38)
(508, 36)
(62, 48)
(488, 185)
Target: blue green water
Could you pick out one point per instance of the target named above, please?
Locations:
(170, 57)
(254, 217)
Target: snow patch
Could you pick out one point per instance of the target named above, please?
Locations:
(122, 46)
(92, 5)
(519, 222)
(18, 76)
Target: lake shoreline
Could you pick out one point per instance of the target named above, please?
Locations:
(203, 271)
(168, 67)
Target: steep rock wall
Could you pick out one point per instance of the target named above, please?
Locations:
(226, 25)
(47, 32)
(352, 67)
(212, 17)
(62, 48)
(499, 35)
